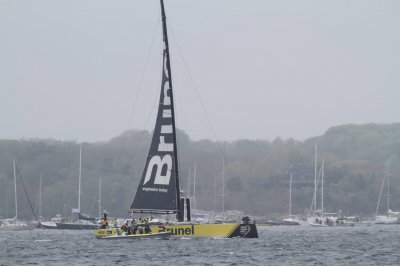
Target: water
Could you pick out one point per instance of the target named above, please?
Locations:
(292, 245)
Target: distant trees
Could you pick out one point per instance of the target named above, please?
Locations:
(256, 171)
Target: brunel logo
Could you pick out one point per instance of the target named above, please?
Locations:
(162, 162)
(178, 231)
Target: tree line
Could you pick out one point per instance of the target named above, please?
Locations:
(247, 175)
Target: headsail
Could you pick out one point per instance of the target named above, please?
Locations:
(158, 190)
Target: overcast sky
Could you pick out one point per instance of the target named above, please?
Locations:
(72, 70)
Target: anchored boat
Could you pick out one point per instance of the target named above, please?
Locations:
(158, 191)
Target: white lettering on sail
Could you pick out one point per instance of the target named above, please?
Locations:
(167, 99)
(166, 129)
(160, 163)
(166, 113)
(162, 146)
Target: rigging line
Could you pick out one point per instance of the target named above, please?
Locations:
(314, 200)
(140, 86)
(195, 89)
(26, 192)
(380, 194)
(154, 108)
(143, 73)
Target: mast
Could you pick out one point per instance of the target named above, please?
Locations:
(168, 64)
(80, 177)
(188, 193)
(322, 187)
(215, 187)
(290, 195)
(223, 186)
(99, 197)
(15, 191)
(388, 189)
(40, 197)
(315, 177)
(194, 186)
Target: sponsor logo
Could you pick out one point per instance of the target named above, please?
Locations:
(178, 231)
(162, 164)
(155, 189)
(244, 230)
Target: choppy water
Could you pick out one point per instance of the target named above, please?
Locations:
(301, 245)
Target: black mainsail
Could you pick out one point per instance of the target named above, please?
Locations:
(158, 190)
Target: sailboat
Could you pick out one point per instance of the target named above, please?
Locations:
(320, 218)
(291, 220)
(391, 217)
(84, 221)
(14, 223)
(158, 191)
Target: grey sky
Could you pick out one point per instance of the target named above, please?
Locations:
(71, 70)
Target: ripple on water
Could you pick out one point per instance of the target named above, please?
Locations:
(363, 245)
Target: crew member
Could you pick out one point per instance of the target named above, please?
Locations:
(104, 221)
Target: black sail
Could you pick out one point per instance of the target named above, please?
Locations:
(158, 190)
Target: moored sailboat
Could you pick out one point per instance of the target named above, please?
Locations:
(158, 191)
(392, 217)
(14, 223)
(83, 222)
(291, 219)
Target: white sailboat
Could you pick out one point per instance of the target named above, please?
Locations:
(14, 223)
(84, 221)
(291, 219)
(391, 217)
(319, 218)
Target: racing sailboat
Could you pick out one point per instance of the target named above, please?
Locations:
(158, 191)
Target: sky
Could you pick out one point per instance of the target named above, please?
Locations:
(255, 69)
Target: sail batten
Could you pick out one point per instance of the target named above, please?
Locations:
(158, 190)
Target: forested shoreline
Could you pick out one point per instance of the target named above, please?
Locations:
(256, 172)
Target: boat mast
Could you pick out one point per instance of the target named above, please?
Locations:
(194, 186)
(188, 193)
(215, 188)
(40, 197)
(315, 178)
(80, 177)
(165, 37)
(99, 197)
(290, 195)
(388, 174)
(15, 191)
(322, 188)
(223, 186)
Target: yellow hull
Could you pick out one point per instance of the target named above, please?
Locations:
(226, 230)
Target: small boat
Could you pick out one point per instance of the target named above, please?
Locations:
(77, 225)
(16, 225)
(52, 224)
(158, 191)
